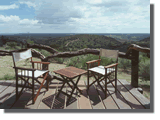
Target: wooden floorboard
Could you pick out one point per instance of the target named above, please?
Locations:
(73, 103)
(108, 102)
(7, 92)
(29, 104)
(83, 100)
(11, 99)
(1, 82)
(94, 98)
(118, 98)
(137, 95)
(25, 97)
(5, 84)
(49, 96)
(127, 97)
(59, 102)
(22, 101)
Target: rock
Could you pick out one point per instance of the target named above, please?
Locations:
(140, 90)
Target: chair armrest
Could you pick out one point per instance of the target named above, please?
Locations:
(40, 62)
(89, 62)
(112, 65)
(29, 69)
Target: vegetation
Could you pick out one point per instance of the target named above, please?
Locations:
(8, 77)
(144, 67)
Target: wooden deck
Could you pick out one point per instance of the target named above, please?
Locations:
(127, 97)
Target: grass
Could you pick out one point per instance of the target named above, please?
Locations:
(7, 71)
(8, 77)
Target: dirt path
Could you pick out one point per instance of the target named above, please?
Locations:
(71, 42)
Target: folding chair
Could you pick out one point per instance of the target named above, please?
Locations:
(103, 72)
(24, 74)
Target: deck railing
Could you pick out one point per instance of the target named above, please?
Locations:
(131, 54)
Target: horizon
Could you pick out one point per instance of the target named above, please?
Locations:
(74, 33)
(75, 16)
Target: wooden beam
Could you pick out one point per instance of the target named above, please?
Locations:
(134, 68)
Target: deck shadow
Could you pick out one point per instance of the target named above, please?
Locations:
(49, 100)
(8, 103)
(59, 102)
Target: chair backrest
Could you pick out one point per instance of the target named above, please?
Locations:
(18, 56)
(109, 53)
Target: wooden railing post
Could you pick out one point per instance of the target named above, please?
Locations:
(134, 67)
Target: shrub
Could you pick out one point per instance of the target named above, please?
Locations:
(8, 77)
(59, 60)
(124, 63)
(107, 61)
(44, 52)
(12, 44)
(144, 69)
(80, 61)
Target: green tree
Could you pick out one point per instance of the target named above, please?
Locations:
(30, 41)
(12, 44)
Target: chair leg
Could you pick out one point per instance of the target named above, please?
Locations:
(115, 82)
(88, 80)
(16, 87)
(47, 84)
(105, 87)
(47, 81)
(33, 90)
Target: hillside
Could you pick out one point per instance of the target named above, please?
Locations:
(80, 41)
(85, 41)
(145, 39)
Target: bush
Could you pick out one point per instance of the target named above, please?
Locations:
(80, 61)
(59, 60)
(44, 52)
(144, 69)
(8, 77)
(107, 61)
(124, 64)
(12, 44)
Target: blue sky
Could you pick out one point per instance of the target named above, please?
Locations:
(75, 16)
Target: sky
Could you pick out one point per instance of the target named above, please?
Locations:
(75, 16)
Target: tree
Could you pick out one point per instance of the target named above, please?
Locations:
(12, 44)
(30, 41)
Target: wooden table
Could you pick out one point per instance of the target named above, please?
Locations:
(68, 74)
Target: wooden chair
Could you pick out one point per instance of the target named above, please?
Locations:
(103, 72)
(24, 74)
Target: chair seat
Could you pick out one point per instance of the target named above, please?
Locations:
(37, 73)
(101, 70)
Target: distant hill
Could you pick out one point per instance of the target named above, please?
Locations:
(145, 39)
(80, 41)
(76, 42)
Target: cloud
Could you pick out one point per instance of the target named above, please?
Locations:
(16, 20)
(7, 7)
(27, 22)
(30, 4)
(14, 24)
(57, 13)
(9, 18)
(87, 16)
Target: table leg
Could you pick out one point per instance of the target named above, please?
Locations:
(72, 87)
(61, 89)
(75, 87)
(75, 84)
(66, 81)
